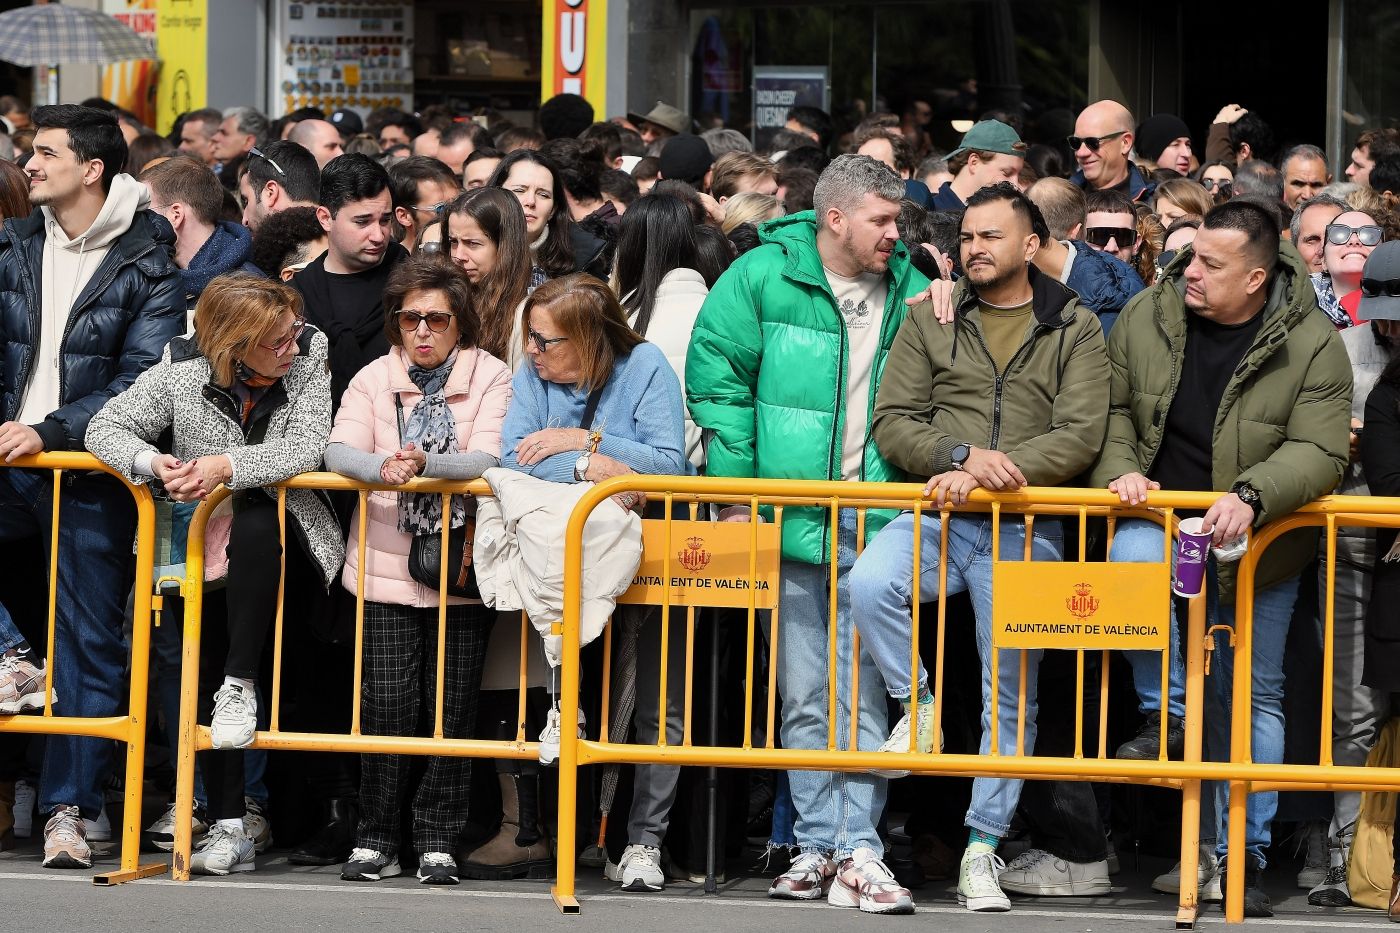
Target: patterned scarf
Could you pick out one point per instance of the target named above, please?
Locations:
(249, 388)
(432, 429)
(1328, 301)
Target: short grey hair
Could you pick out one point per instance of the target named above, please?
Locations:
(1321, 200)
(848, 179)
(250, 121)
(7, 148)
(1305, 151)
(722, 139)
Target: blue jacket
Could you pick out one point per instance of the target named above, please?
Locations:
(946, 199)
(1104, 283)
(117, 328)
(1136, 187)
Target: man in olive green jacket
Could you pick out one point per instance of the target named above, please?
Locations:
(1227, 378)
(1013, 392)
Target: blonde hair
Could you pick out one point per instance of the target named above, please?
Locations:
(234, 312)
(749, 207)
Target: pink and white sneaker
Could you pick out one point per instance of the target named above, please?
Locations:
(808, 879)
(866, 882)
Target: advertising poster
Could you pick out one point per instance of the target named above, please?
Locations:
(131, 85)
(182, 37)
(335, 55)
(575, 50)
(777, 89)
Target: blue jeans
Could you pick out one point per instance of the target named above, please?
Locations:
(1273, 610)
(836, 811)
(97, 525)
(882, 586)
(1140, 541)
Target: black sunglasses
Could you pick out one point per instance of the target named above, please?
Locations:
(438, 321)
(1210, 184)
(1340, 234)
(255, 151)
(1375, 288)
(543, 343)
(1092, 142)
(1100, 236)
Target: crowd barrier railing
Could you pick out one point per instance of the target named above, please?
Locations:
(195, 737)
(674, 576)
(127, 728)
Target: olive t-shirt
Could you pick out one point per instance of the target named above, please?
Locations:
(1004, 329)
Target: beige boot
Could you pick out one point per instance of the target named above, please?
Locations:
(519, 849)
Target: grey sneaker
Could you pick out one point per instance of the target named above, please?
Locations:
(256, 825)
(235, 717)
(1332, 891)
(100, 829)
(1040, 874)
(21, 684)
(370, 865)
(224, 851)
(65, 840)
(26, 798)
(640, 869)
(161, 834)
(437, 868)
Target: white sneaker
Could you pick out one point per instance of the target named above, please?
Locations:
(808, 878)
(1315, 862)
(1170, 882)
(161, 833)
(1040, 874)
(864, 881)
(1212, 892)
(255, 824)
(640, 869)
(235, 717)
(26, 798)
(899, 737)
(978, 888)
(100, 829)
(224, 851)
(549, 735)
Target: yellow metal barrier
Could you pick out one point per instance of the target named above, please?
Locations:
(129, 729)
(195, 738)
(1071, 504)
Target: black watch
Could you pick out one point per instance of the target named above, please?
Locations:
(1249, 496)
(959, 455)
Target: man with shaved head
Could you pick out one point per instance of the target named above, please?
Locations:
(318, 137)
(1102, 144)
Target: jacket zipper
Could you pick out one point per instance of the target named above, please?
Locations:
(1000, 381)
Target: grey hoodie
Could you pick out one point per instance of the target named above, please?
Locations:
(68, 267)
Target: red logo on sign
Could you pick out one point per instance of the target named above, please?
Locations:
(1083, 603)
(694, 558)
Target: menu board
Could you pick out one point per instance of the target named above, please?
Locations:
(336, 55)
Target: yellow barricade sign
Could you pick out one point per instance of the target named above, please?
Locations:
(707, 564)
(1081, 605)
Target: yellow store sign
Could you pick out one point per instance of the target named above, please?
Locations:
(1081, 605)
(182, 36)
(706, 564)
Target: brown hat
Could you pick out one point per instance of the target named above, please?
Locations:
(664, 115)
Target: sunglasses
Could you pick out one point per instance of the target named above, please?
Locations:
(543, 343)
(437, 321)
(1375, 288)
(283, 345)
(1210, 184)
(1101, 236)
(1341, 234)
(255, 151)
(431, 208)
(1092, 143)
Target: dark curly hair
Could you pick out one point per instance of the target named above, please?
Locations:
(281, 236)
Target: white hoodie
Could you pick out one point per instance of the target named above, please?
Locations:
(68, 267)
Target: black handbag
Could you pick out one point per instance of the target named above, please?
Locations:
(425, 554)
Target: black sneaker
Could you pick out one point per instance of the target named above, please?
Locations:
(1148, 743)
(370, 865)
(1256, 902)
(437, 868)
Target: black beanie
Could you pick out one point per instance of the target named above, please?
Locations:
(1157, 132)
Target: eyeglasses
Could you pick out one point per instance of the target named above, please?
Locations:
(1210, 184)
(1375, 288)
(438, 321)
(1091, 142)
(543, 343)
(255, 151)
(285, 344)
(1341, 234)
(431, 208)
(1100, 236)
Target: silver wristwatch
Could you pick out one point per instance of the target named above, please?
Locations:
(581, 466)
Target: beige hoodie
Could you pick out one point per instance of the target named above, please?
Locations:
(68, 267)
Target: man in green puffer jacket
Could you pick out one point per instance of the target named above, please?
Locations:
(783, 367)
(1227, 378)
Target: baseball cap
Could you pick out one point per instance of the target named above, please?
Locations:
(664, 115)
(348, 122)
(685, 158)
(1380, 284)
(990, 136)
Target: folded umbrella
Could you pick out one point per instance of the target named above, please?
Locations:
(57, 34)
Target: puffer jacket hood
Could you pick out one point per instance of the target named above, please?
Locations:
(1104, 283)
(124, 199)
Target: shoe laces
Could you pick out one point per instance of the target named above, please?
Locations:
(220, 837)
(644, 856)
(371, 855)
(876, 873)
(983, 868)
(1028, 859)
(231, 699)
(436, 860)
(807, 862)
(1336, 875)
(66, 826)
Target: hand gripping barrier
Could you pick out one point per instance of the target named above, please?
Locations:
(128, 728)
(195, 738)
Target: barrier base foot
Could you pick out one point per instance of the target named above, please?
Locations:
(108, 878)
(567, 903)
(1186, 918)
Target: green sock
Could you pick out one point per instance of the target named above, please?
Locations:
(925, 695)
(979, 843)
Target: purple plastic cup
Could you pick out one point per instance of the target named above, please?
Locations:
(1192, 550)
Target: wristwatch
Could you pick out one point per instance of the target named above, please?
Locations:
(1249, 496)
(581, 465)
(959, 455)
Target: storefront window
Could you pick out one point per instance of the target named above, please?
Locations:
(470, 56)
(1372, 83)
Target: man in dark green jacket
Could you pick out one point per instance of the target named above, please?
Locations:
(1014, 392)
(784, 362)
(1227, 378)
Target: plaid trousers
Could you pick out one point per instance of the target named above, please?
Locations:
(398, 691)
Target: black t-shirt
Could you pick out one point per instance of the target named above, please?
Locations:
(1213, 351)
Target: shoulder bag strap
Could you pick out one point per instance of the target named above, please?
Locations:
(590, 408)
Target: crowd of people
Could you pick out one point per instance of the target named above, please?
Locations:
(1140, 307)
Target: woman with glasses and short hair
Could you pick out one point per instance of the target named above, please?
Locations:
(1349, 240)
(432, 407)
(247, 400)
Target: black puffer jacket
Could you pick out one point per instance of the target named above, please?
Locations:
(118, 326)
